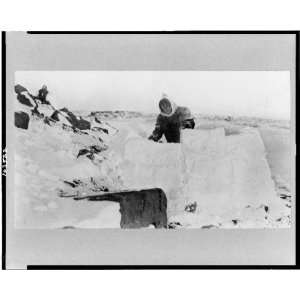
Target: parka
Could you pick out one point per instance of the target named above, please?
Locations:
(170, 123)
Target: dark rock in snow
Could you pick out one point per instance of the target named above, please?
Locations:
(21, 120)
(54, 116)
(174, 225)
(69, 128)
(83, 124)
(77, 123)
(284, 196)
(72, 184)
(73, 129)
(191, 207)
(35, 112)
(97, 148)
(209, 226)
(49, 121)
(91, 150)
(100, 129)
(19, 89)
(235, 222)
(69, 227)
(77, 181)
(82, 152)
(97, 120)
(27, 100)
(100, 189)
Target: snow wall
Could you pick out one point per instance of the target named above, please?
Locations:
(228, 177)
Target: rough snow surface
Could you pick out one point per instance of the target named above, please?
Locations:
(46, 157)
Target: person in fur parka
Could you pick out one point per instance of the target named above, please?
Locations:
(171, 120)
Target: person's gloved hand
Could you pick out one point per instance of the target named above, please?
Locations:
(152, 139)
(190, 123)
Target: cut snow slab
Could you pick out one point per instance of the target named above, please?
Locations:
(147, 164)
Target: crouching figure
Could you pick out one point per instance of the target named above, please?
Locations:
(42, 95)
(171, 120)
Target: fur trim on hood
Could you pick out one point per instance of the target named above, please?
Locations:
(171, 103)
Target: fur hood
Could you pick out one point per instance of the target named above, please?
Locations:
(172, 104)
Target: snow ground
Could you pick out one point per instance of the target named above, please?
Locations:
(222, 167)
(46, 157)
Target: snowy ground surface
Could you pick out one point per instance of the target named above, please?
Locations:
(224, 174)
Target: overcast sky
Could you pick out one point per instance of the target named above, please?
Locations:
(245, 93)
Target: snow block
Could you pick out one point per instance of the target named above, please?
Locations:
(21, 120)
(228, 174)
(202, 142)
(147, 164)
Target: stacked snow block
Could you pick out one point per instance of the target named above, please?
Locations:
(228, 174)
(147, 164)
(207, 168)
